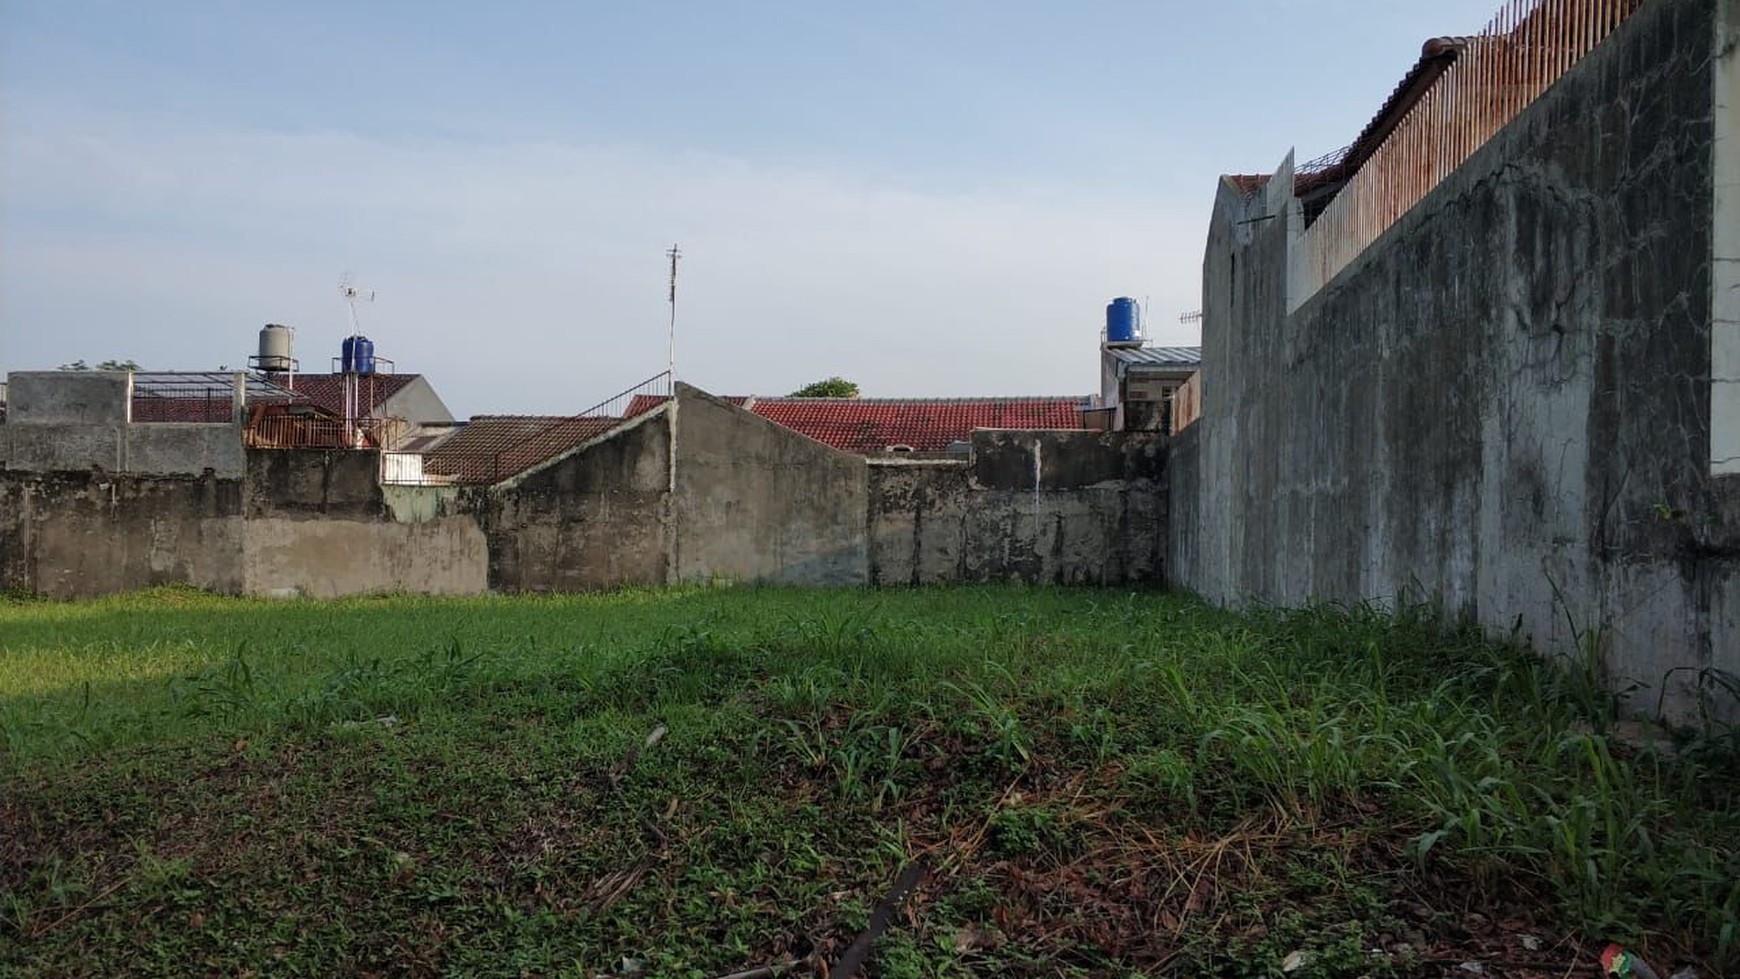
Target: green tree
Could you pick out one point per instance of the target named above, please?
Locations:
(107, 365)
(833, 387)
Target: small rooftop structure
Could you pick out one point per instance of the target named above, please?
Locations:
(1189, 358)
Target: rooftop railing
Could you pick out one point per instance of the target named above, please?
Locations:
(1496, 74)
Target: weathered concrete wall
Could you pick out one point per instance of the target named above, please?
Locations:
(305, 483)
(77, 535)
(68, 397)
(591, 518)
(163, 449)
(319, 524)
(758, 502)
(301, 522)
(752, 502)
(1504, 403)
(1035, 507)
(327, 558)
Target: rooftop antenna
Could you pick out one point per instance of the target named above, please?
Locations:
(1194, 316)
(671, 359)
(352, 294)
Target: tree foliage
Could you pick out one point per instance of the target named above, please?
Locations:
(107, 365)
(833, 387)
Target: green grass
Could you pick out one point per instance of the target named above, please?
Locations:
(1103, 784)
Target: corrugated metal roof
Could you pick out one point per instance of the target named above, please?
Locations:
(186, 384)
(1161, 356)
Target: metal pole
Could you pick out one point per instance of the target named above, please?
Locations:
(671, 359)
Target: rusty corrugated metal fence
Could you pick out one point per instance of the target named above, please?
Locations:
(1528, 45)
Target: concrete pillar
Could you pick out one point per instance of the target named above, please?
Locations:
(1725, 245)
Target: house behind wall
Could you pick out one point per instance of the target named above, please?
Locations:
(1505, 403)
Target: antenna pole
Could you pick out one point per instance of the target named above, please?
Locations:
(671, 358)
(352, 390)
(352, 380)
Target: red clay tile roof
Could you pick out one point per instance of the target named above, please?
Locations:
(327, 390)
(213, 409)
(490, 448)
(640, 404)
(870, 426)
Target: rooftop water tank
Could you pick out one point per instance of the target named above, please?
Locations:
(357, 355)
(1123, 319)
(275, 350)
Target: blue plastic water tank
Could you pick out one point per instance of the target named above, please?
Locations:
(1121, 321)
(357, 355)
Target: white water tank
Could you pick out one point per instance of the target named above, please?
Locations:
(275, 352)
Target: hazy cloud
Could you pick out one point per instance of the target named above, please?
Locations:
(530, 276)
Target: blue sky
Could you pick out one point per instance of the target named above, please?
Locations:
(928, 198)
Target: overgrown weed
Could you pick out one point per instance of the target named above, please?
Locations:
(1111, 783)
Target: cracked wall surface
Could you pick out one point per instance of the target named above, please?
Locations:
(1052, 507)
(1504, 405)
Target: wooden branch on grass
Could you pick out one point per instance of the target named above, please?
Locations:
(859, 950)
(770, 971)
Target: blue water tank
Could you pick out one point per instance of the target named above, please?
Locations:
(1122, 319)
(357, 355)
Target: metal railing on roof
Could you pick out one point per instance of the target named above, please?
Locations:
(1526, 47)
(297, 431)
(559, 436)
(200, 396)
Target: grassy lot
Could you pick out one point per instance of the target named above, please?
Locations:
(1098, 783)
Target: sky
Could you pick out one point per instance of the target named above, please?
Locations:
(927, 198)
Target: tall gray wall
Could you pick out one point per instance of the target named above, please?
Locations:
(1505, 402)
(592, 518)
(759, 502)
(1038, 507)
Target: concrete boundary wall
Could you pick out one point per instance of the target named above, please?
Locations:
(696, 490)
(69, 397)
(758, 502)
(1505, 404)
(1055, 507)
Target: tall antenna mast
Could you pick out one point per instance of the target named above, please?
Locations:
(671, 360)
(352, 294)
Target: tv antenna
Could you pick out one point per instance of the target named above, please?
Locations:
(1194, 316)
(353, 294)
